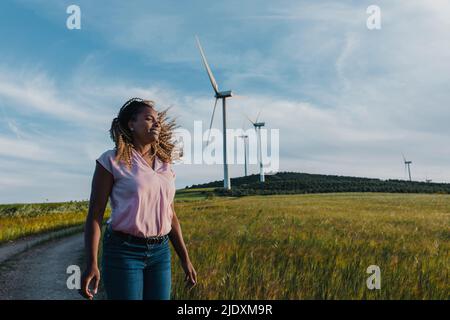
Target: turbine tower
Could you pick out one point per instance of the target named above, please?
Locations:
(258, 126)
(218, 95)
(245, 137)
(407, 166)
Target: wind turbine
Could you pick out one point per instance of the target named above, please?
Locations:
(258, 126)
(245, 137)
(218, 95)
(407, 165)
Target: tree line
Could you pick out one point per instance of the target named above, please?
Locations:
(303, 183)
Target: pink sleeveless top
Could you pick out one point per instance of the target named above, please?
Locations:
(141, 198)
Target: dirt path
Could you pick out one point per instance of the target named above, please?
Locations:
(11, 248)
(40, 273)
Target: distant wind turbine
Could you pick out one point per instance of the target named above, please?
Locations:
(218, 95)
(258, 126)
(245, 137)
(407, 166)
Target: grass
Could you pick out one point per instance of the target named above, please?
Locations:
(315, 246)
(19, 220)
(186, 195)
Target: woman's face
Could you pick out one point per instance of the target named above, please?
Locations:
(146, 127)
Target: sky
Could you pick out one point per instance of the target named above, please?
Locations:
(346, 100)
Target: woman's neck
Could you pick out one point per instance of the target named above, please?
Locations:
(142, 148)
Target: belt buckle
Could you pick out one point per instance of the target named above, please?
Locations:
(155, 239)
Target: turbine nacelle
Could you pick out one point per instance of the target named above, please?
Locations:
(223, 94)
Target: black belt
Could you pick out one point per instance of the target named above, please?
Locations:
(139, 240)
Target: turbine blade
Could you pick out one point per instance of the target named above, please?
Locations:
(257, 117)
(208, 69)
(248, 119)
(212, 119)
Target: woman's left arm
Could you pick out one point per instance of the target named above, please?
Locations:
(176, 237)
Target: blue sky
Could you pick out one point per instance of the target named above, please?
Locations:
(347, 100)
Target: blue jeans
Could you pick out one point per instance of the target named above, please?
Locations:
(132, 271)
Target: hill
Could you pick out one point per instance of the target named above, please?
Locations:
(302, 183)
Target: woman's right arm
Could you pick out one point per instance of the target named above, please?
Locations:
(102, 183)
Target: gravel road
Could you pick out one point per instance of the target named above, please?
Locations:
(40, 272)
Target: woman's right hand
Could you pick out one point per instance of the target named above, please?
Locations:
(92, 273)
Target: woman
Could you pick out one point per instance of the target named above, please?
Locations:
(138, 178)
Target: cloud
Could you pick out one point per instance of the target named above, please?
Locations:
(35, 92)
(347, 100)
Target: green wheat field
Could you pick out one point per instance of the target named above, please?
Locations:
(315, 246)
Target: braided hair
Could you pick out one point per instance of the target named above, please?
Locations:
(123, 138)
